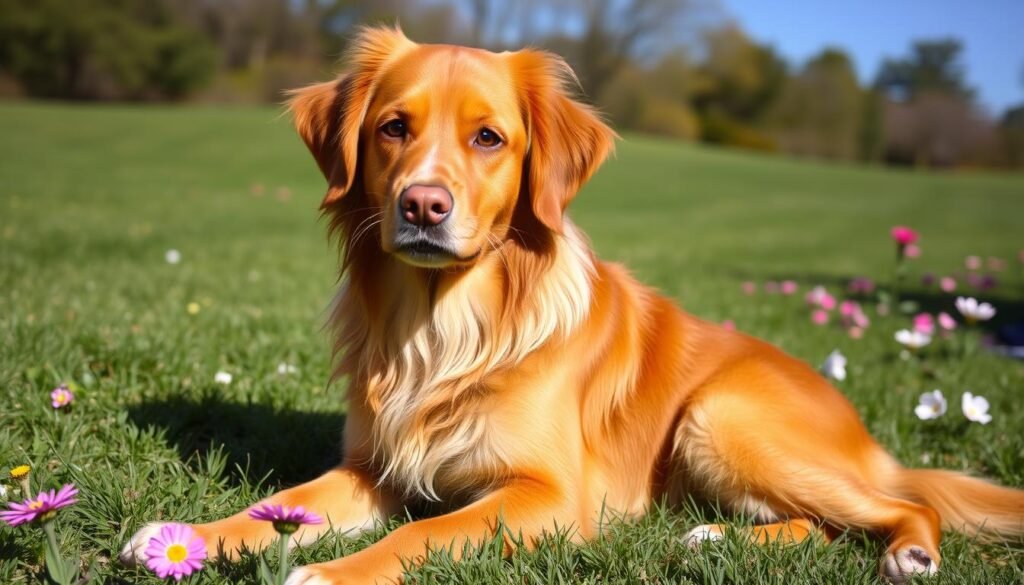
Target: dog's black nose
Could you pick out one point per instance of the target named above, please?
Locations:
(425, 205)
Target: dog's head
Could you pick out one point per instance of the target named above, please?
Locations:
(441, 144)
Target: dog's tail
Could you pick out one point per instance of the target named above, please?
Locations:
(965, 504)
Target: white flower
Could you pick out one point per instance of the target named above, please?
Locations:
(973, 311)
(913, 339)
(284, 368)
(172, 256)
(931, 405)
(222, 378)
(975, 408)
(3, 491)
(834, 366)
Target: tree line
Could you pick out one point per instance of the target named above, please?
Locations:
(678, 68)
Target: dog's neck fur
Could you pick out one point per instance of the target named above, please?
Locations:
(422, 343)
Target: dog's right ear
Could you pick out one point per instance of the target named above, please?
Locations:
(328, 116)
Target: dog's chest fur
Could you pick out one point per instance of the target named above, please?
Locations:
(433, 417)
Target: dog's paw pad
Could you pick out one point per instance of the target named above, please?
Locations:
(701, 534)
(306, 576)
(900, 565)
(134, 552)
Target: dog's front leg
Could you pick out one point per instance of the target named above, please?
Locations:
(345, 497)
(527, 507)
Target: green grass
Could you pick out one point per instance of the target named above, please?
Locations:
(92, 197)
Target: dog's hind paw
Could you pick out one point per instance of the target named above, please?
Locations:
(900, 565)
(134, 552)
(703, 533)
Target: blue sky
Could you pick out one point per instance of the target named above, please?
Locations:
(992, 32)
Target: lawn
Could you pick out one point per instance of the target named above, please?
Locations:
(92, 198)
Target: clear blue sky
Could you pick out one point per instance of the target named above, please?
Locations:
(992, 32)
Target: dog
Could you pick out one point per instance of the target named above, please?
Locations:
(501, 375)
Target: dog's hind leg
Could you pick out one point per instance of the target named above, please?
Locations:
(803, 473)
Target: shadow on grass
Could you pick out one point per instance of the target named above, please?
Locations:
(286, 446)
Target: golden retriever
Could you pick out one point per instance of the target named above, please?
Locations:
(496, 368)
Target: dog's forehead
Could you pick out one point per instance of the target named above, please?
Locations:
(478, 78)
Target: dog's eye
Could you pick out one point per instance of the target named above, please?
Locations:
(394, 129)
(487, 138)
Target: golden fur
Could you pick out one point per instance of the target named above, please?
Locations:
(519, 376)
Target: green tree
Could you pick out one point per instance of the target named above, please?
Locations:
(933, 66)
(87, 49)
(818, 113)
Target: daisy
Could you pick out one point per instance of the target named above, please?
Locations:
(973, 311)
(834, 366)
(975, 408)
(285, 520)
(912, 340)
(222, 377)
(931, 405)
(42, 507)
(285, 368)
(176, 551)
(172, 256)
(61, 396)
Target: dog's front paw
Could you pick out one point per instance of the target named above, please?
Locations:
(134, 552)
(900, 565)
(701, 534)
(309, 576)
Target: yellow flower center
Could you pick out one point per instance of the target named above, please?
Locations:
(176, 553)
(20, 471)
(35, 505)
(62, 398)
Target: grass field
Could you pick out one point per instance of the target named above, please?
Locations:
(91, 198)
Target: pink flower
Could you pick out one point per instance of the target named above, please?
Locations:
(42, 506)
(860, 319)
(729, 325)
(996, 264)
(924, 323)
(828, 302)
(848, 308)
(1020, 256)
(771, 287)
(819, 317)
(789, 287)
(749, 288)
(61, 396)
(882, 309)
(946, 321)
(903, 235)
(176, 551)
(861, 286)
(912, 251)
(856, 332)
(286, 520)
(972, 262)
(947, 284)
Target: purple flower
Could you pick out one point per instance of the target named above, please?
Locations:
(43, 506)
(286, 520)
(176, 551)
(61, 396)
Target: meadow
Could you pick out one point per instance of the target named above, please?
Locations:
(93, 198)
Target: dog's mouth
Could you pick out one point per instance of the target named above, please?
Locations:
(425, 252)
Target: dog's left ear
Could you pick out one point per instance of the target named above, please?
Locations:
(328, 116)
(567, 139)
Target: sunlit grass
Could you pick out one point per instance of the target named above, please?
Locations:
(92, 198)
